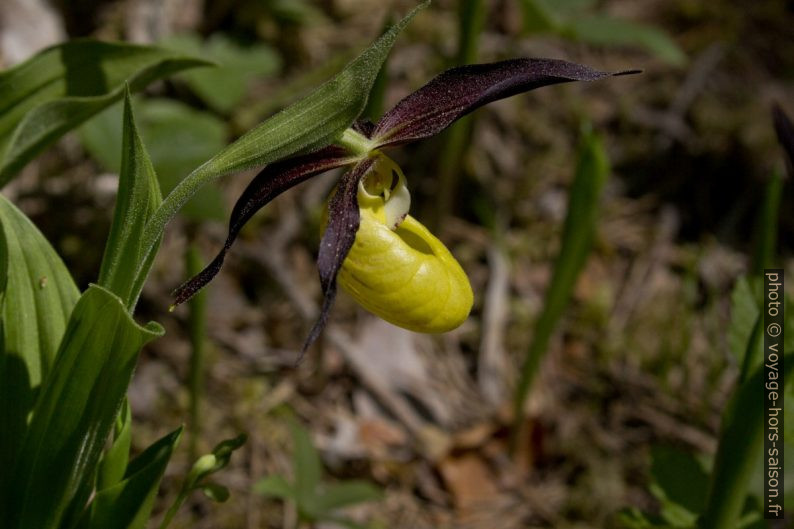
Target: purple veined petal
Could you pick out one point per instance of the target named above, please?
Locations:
(785, 135)
(343, 222)
(271, 181)
(458, 91)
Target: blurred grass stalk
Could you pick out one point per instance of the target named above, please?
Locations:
(741, 441)
(197, 331)
(767, 225)
(577, 239)
(471, 19)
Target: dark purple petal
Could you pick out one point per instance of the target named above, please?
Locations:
(268, 184)
(343, 221)
(459, 91)
(785, 135)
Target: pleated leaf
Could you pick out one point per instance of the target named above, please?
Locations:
(127, 505)
(62, 86)
(54, 473)
(37, 295)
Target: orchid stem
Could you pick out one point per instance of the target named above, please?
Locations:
(355, 143)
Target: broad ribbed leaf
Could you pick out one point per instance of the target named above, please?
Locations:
(785, 135)
(138, 198)
(64, 85)
(343, 221)
(56, 467)
(37, 295)
(273, 180)
(313, 122)
(128, 504)
(461, 90)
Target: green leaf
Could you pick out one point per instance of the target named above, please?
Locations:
(275, 486)
(224, 87)
(138, 198)
(577, 237)
(313, 122)
(215, 492)
(115, 459)
(609, 31)
(307, 466)
(765, 238)
(128, 504)
(334, 496)
(37, 295)
(680, 484)
(178, 139)
(539, 17)
(741, 436)
(64, 85)
(76, 411)
(744, 312)
(101, 136)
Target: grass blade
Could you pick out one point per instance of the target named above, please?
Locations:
(471, 19)
(577, 237)
(766, 234)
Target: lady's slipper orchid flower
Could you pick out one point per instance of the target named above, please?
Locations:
(389, 262)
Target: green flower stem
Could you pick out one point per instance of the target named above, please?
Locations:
(355, 143)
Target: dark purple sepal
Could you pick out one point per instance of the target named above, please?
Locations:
(343, 222)
(271, 181)
(785, 135)
(364, 127)
(458, 91)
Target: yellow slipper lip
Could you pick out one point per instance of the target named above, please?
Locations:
(405, 276)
